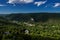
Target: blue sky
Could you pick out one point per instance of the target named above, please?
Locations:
(29, 6)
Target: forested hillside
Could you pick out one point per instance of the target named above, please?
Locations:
(30, 26)
(36, 16)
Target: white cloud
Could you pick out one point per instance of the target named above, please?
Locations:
(2, 5)
(19, 1)
(40, 3)
(56, 5)
(26, 1)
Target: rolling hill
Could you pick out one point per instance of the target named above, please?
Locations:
(38, 26)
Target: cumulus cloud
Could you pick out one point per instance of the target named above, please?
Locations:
(40, 3)
(56, 5)
(19, 1)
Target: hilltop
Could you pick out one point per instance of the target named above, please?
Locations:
(38, 17)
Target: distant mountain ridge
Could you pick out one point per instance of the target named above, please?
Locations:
(36, 16)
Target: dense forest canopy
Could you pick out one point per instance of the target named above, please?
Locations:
(30, 26)
(36, 16)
